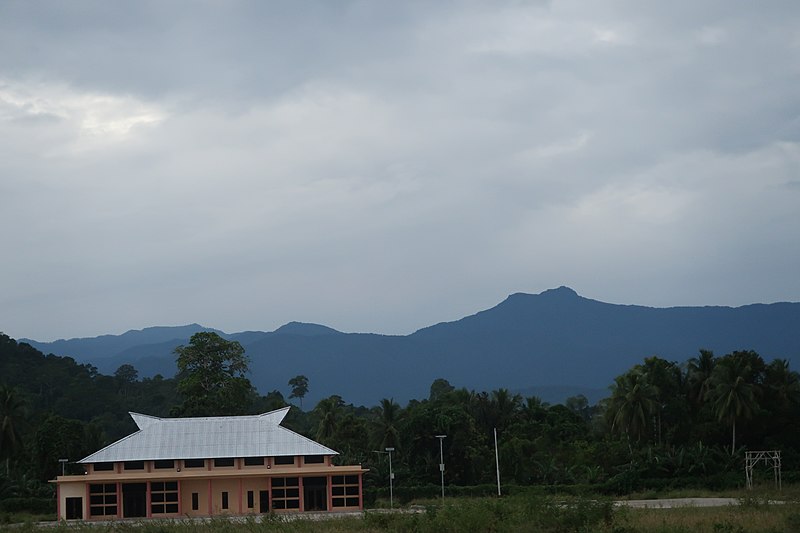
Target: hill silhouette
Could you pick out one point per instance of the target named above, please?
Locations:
(553, 341)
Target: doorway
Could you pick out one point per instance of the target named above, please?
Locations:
(134, 500)
(263, 501)
(315, 493)
(74, 508)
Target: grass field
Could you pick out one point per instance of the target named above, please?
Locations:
(759, 512)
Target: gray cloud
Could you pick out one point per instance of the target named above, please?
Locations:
(384, 166)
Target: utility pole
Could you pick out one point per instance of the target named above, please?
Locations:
(497, 461)
(441, 460)
(391, 479)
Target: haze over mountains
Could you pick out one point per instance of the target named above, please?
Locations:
(553, 344)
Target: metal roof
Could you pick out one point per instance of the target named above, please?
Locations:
(207, 438)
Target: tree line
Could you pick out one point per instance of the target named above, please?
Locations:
(664, 423)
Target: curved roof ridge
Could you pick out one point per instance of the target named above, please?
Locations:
(144, 421)
(209, 437)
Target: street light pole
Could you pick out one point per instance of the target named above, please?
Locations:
(391, 479)
(441, 460)
(63, 465)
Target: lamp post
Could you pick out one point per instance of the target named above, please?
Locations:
(391, 479)
(441, 460)
(391, 476)
(63, 465)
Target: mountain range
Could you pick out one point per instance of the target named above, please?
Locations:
(554, 344)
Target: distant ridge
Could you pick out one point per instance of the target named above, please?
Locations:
(554, 342)
(302, 328)
(106, 346)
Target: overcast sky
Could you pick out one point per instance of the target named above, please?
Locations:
(383, 166)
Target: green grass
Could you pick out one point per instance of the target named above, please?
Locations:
(519, 513)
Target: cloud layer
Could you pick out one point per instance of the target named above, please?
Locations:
(384, 166)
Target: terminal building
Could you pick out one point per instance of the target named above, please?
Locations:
(187, 467)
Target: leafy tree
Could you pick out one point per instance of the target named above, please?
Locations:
(211, 377)
(299, 385)
(126, 373)
(439, 389)
(11, 414)
(57, 438)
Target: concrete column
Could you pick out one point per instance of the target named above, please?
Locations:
(302, 499)
(330, 493)
(149, 501)
(210, 499)
(360, 492)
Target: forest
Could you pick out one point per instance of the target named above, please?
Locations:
(664, 425)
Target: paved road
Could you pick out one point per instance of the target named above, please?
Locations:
(669, 503)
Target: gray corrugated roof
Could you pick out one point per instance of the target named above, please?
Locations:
(210, 437)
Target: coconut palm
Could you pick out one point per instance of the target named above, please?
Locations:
(633, 403)
(698, 375)
(329, 411)
(733, 397)
(389, 416)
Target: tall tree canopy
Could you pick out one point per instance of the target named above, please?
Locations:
(211, 377)
(299, 385)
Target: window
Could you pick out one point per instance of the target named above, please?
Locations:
(134, 465)
(103, 467)
(195, 501)
(194, 463)
(164, 497)
(251, 501)
(103, 499)
(344, 491)
(284, 460)
(314, 459)
(253, 461)
(226, 461)
(286, 493)
(224, 500)
(167, 463)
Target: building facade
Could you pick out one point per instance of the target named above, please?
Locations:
(186, 467)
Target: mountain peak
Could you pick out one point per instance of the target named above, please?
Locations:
(561, 292)
(305, 329)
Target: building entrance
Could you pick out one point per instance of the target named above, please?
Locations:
(134, 500)
(263, 501)
(74, 510)
(315, 493)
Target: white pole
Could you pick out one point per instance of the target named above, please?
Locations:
(391, 478)
(441, 460)
(497, 461)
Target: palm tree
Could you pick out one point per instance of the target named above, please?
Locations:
(329, 411)
(783, 383)
(633, 403)
(698, 375)
(733, 397)
(505, 406)
(389, 416)
(10, 416)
